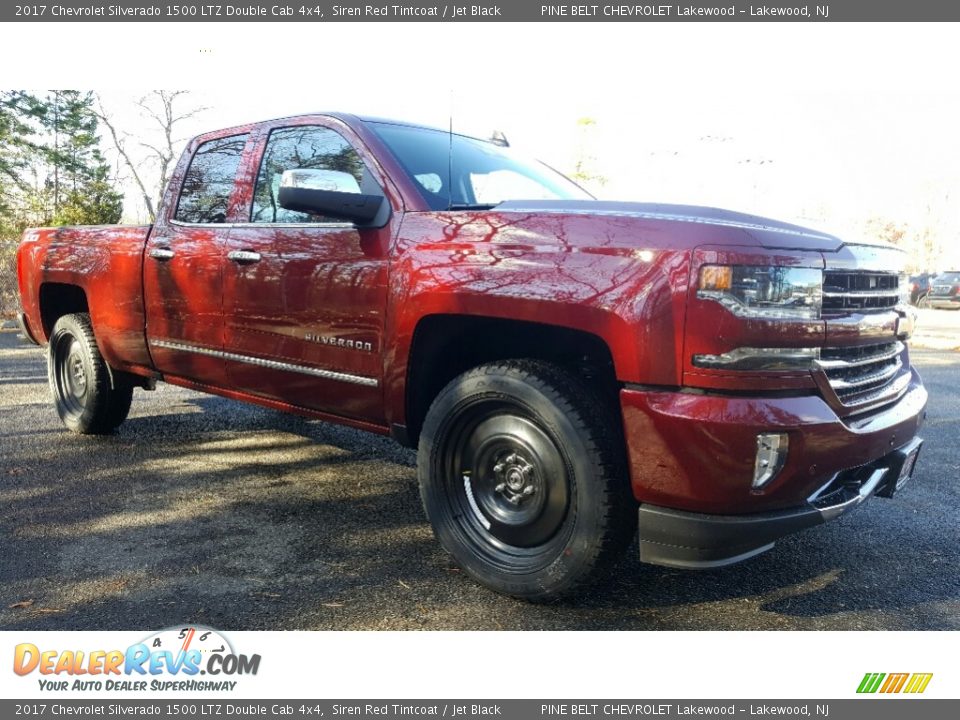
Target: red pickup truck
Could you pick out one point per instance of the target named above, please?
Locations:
(570, 370)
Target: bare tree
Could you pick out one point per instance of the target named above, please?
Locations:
(160, 107)
(120, 144)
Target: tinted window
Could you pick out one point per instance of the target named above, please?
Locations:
(209, 181)
(297, 148)
(947, 278)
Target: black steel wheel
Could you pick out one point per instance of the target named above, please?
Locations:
(83, 394)
(522, 478)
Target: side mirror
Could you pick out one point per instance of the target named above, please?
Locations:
(331, 193)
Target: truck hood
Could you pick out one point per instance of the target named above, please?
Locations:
(765, 231)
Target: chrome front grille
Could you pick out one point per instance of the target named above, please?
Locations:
(863, 374)
(845, 290)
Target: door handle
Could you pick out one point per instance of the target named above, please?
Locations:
(243, 257)
(161, 253)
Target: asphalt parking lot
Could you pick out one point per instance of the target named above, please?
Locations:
(208, 511)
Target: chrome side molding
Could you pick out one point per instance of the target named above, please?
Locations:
(264, 362)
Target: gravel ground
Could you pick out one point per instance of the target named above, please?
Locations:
(208, 511)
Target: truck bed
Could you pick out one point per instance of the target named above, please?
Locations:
(105, 262)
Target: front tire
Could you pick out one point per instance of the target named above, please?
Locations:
(86, 400)
(522, 477)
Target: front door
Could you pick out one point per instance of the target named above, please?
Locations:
(305, 295)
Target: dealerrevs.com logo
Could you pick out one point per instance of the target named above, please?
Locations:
(171, 659)
(887, 683)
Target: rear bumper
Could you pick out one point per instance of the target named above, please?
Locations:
(950, 302)
(25, 329)
(695, 540)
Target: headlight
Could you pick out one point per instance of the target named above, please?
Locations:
(764, 292)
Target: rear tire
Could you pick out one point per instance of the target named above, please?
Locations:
(922, 302)
(522, 477)
(80, 382)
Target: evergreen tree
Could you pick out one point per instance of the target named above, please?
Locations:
(78, 175)
(51, 172)
(14, 156)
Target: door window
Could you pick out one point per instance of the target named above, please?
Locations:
(209, 181)
(304, 147)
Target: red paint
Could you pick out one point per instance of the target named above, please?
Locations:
(696, 452)
(627, 278)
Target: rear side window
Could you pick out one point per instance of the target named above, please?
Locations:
(209, 181)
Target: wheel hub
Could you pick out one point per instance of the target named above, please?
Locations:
(74, 372)
(516, 479)
(516, 492)
(79, 375)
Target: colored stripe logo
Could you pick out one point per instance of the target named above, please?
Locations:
(894, 682)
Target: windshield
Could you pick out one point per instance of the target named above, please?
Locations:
(483, 174)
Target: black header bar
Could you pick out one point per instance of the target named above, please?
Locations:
(502, 11)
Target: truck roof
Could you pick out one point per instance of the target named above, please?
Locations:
(351, 118)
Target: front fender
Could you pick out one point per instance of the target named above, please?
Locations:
(495, 268)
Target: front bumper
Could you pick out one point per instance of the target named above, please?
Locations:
(696, 451)
(691, 458)
(695, 540)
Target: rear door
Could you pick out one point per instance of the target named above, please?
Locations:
(305, 295)
(183, 261)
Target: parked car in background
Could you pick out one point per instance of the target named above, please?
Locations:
(919, 288)
(945, 291)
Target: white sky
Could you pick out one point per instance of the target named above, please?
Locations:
(829, 125)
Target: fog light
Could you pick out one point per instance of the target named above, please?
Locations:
(771, 455)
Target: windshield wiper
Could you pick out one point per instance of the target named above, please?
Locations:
(472, 206)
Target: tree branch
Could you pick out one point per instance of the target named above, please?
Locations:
(121, 150)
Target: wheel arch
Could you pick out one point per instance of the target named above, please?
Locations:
(446, 345)
(57, 299)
